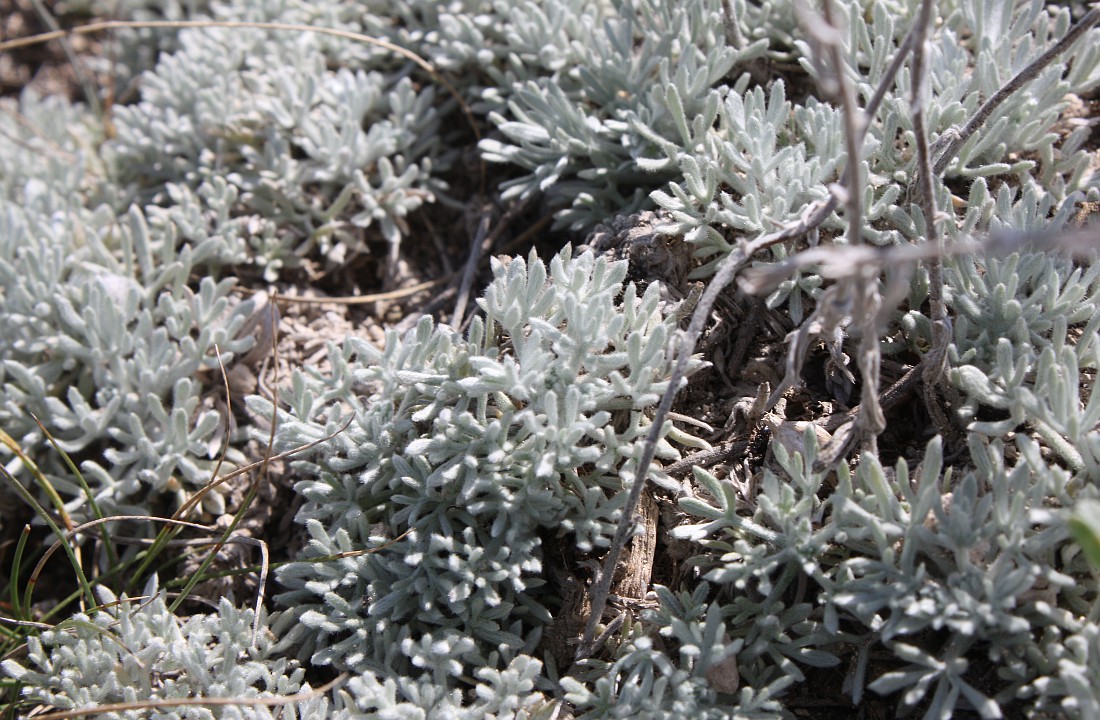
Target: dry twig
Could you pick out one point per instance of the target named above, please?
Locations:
(683, 345)
(948, 145)
(273, 701)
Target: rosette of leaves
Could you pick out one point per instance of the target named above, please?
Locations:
(956, 574)
(106, 333)
(754, 162)
(140, 652)
(50, 156)
(456, 460)
(501, 694)
(1025, 331)
(756, 560)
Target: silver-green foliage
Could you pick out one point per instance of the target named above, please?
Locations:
(311, 155)
(241, 149)
(509, 693)
(676, 662)
(591, 133)
(758, 557)
(454, 457)
(652, 113)
(970, 558)
(759, 165)
(762, 163)
(1025, 328)
(104, 336)
(429, 515)
(135, 651)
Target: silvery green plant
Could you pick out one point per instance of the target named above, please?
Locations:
(1071, 688)
(1050, 404)
(590, 136)
(1012, 348)
(311, 156)
(510, 692)
(678, 661)
(106, 340)
(104, 343)
(580, 143)
(758, 557)
(970, 558)
(135, 651)
(106, 334)
(46, 168)
(454, 458)
(979, 46)
(758, 166)
(469, 458)
(134, 50)
(762, 164)
(1019, 286)
(892, 559)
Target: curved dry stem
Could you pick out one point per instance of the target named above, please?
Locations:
(949, 144)
(926, 199)
(682, 346)
(253, 486)
(274, 701)
(813, 216)
(93, 523)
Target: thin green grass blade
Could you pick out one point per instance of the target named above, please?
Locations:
(85, 586)
(194, 579)
(108, 546)
(39, 477)
(16, 569)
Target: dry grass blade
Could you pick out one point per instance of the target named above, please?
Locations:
(261, 588)
(682, 346)
(518, 241)
(261, 476)
(259, 464)
(360, 299)
(88, 494)
(100, 521)
(273, 701)
(25, 623)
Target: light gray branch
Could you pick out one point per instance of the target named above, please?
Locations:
(948, 144)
